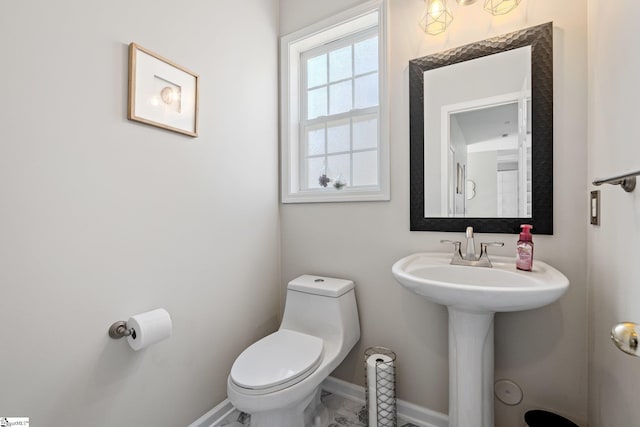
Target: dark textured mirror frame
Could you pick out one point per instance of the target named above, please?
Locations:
(540, 38)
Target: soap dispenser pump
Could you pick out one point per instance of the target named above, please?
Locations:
(524, 249)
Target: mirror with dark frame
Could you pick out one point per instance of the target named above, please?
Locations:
(482, 135)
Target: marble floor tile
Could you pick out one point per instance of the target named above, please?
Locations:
(342, 413)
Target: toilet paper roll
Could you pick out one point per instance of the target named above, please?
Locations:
(380, 369)
(149, 328)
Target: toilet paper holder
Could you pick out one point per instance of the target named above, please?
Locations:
(119, 330)
(143, 329)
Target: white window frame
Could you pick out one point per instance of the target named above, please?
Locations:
(292, 47)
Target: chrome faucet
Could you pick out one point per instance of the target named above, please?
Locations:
(470, 256)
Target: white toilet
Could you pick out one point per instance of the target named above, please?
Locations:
(278, 377)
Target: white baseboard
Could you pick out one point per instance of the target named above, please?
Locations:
(407, 411)
(214, 416)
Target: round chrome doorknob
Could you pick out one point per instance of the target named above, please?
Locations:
(625, 336)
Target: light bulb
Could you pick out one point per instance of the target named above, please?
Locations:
(436, 7)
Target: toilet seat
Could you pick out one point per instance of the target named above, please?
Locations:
(276, 362)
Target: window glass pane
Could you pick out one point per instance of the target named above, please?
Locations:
(365, 133)
(316, 103)
(365, 168)
(315, 141)
(340, 64)
(315, 168)
(340, 96)
(338, 136)
(366, 91)
(326, 131)
(340, 165)
(317, 71)
(366, 56)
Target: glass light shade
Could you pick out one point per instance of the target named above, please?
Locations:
(466, 2)
(500, 7)
(436, 18)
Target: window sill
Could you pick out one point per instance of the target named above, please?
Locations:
(330, 195)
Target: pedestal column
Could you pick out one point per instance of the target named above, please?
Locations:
(470, 369)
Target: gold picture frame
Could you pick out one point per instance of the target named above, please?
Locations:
(161, 92)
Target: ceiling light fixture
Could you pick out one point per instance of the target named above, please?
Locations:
(437, 15)
(436, 18)
(499, 7)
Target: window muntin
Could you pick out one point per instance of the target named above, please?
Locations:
(340, 98)
(306, 106)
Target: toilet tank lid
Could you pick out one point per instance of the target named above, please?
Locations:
(320, 285)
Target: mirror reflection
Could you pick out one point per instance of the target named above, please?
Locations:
(478, 137)
(481, 133)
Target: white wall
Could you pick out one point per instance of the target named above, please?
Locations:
(102, 218)
(614, 271)
(542, 350)
(482, 169)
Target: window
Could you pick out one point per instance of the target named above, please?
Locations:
(334, 143)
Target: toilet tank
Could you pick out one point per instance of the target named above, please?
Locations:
(324, 307)
(319, 285)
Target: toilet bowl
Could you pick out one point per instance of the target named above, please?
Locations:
(277, 379)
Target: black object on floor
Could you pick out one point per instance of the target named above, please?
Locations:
(538, 418)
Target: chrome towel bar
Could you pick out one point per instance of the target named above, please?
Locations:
(627, 181)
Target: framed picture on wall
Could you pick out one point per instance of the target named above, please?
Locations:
(161, 92)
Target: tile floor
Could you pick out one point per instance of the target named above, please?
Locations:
(344, 413)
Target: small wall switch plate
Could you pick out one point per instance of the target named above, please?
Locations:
(594, 207)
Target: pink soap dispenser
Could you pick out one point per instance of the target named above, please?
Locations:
(524, 249)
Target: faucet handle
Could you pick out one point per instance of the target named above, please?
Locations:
(498, 244)
(484, 256)
(483, 246)
(456, 245)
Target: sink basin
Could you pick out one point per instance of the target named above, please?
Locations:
(497, 289)
(472, 296)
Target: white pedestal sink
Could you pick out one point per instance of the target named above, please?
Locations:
(472, 296)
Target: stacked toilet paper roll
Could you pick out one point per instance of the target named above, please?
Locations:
(381, 389)
(148, 328)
